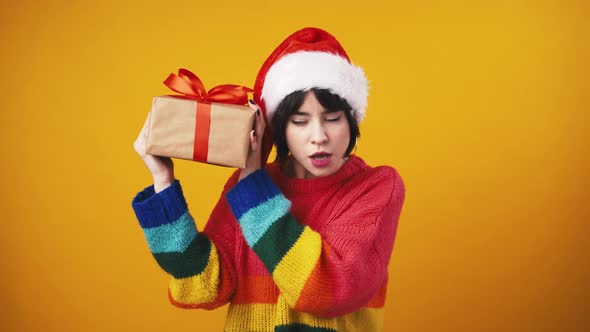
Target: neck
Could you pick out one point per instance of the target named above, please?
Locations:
(292, 171)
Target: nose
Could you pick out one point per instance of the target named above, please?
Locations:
(318, 134)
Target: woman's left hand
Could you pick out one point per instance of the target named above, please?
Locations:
(253, 162)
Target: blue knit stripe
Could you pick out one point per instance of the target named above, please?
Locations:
(250, 192)
(174, 237)
(165, 207)
(258, 219)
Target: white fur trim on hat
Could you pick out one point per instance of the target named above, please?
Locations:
(305, 70)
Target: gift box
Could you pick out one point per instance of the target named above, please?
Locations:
(193, 126)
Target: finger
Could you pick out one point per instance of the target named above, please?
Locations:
(258, 120)
(253, 104)
(139, 143)
(255, 107)
(259, 124)
(253, 141)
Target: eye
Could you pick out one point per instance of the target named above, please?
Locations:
(298, 122)
(333, 119)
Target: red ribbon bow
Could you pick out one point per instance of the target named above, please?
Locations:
(191, 87)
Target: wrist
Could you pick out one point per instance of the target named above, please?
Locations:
(244, 173)
(252, 165)
(247, 171)
(162, 182)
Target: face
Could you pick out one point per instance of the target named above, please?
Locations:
(316, 139)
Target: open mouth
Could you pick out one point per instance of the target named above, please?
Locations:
(320, 156)
(321, 159)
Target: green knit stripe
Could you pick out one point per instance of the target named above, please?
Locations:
(301, 328)
(188, 263)
(278, 240)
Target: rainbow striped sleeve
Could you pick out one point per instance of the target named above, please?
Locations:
(187, 255)
(289, 250)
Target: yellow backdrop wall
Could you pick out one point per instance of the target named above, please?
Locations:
(479, 105)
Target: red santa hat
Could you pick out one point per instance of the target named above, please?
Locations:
(309, 58)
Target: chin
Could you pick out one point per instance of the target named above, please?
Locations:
(314, 172)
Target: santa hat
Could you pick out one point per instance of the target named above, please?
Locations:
(309, 58)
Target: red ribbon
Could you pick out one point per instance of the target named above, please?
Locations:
(202, 127)
(191, 87)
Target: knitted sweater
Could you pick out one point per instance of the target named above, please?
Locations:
(287, 254)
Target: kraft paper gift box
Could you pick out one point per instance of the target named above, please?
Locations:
(209, 132)
(206, 126)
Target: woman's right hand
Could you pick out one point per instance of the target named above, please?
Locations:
(161, 168)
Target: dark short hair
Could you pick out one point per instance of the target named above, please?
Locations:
(292, 102)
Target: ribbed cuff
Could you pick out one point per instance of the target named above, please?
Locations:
(251, 191)
(165, 207)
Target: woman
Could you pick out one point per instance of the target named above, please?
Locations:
(300, 244)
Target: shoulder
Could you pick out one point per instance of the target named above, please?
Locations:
(370, 190)
(367, 194)
(383, 179)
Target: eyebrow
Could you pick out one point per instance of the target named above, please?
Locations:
(323, 112)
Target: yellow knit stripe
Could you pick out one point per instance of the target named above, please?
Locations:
(286, 315)
(264, 317)
(294, 269)
(250, 317)
(365, 319)
(201, 288)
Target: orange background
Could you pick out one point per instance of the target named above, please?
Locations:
(478, 104)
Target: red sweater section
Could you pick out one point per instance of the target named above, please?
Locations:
(355, 211)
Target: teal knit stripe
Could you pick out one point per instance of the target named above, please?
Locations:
(298, 327)
(258, 219)
(277, 241)
(173, 237)
(188, 263)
